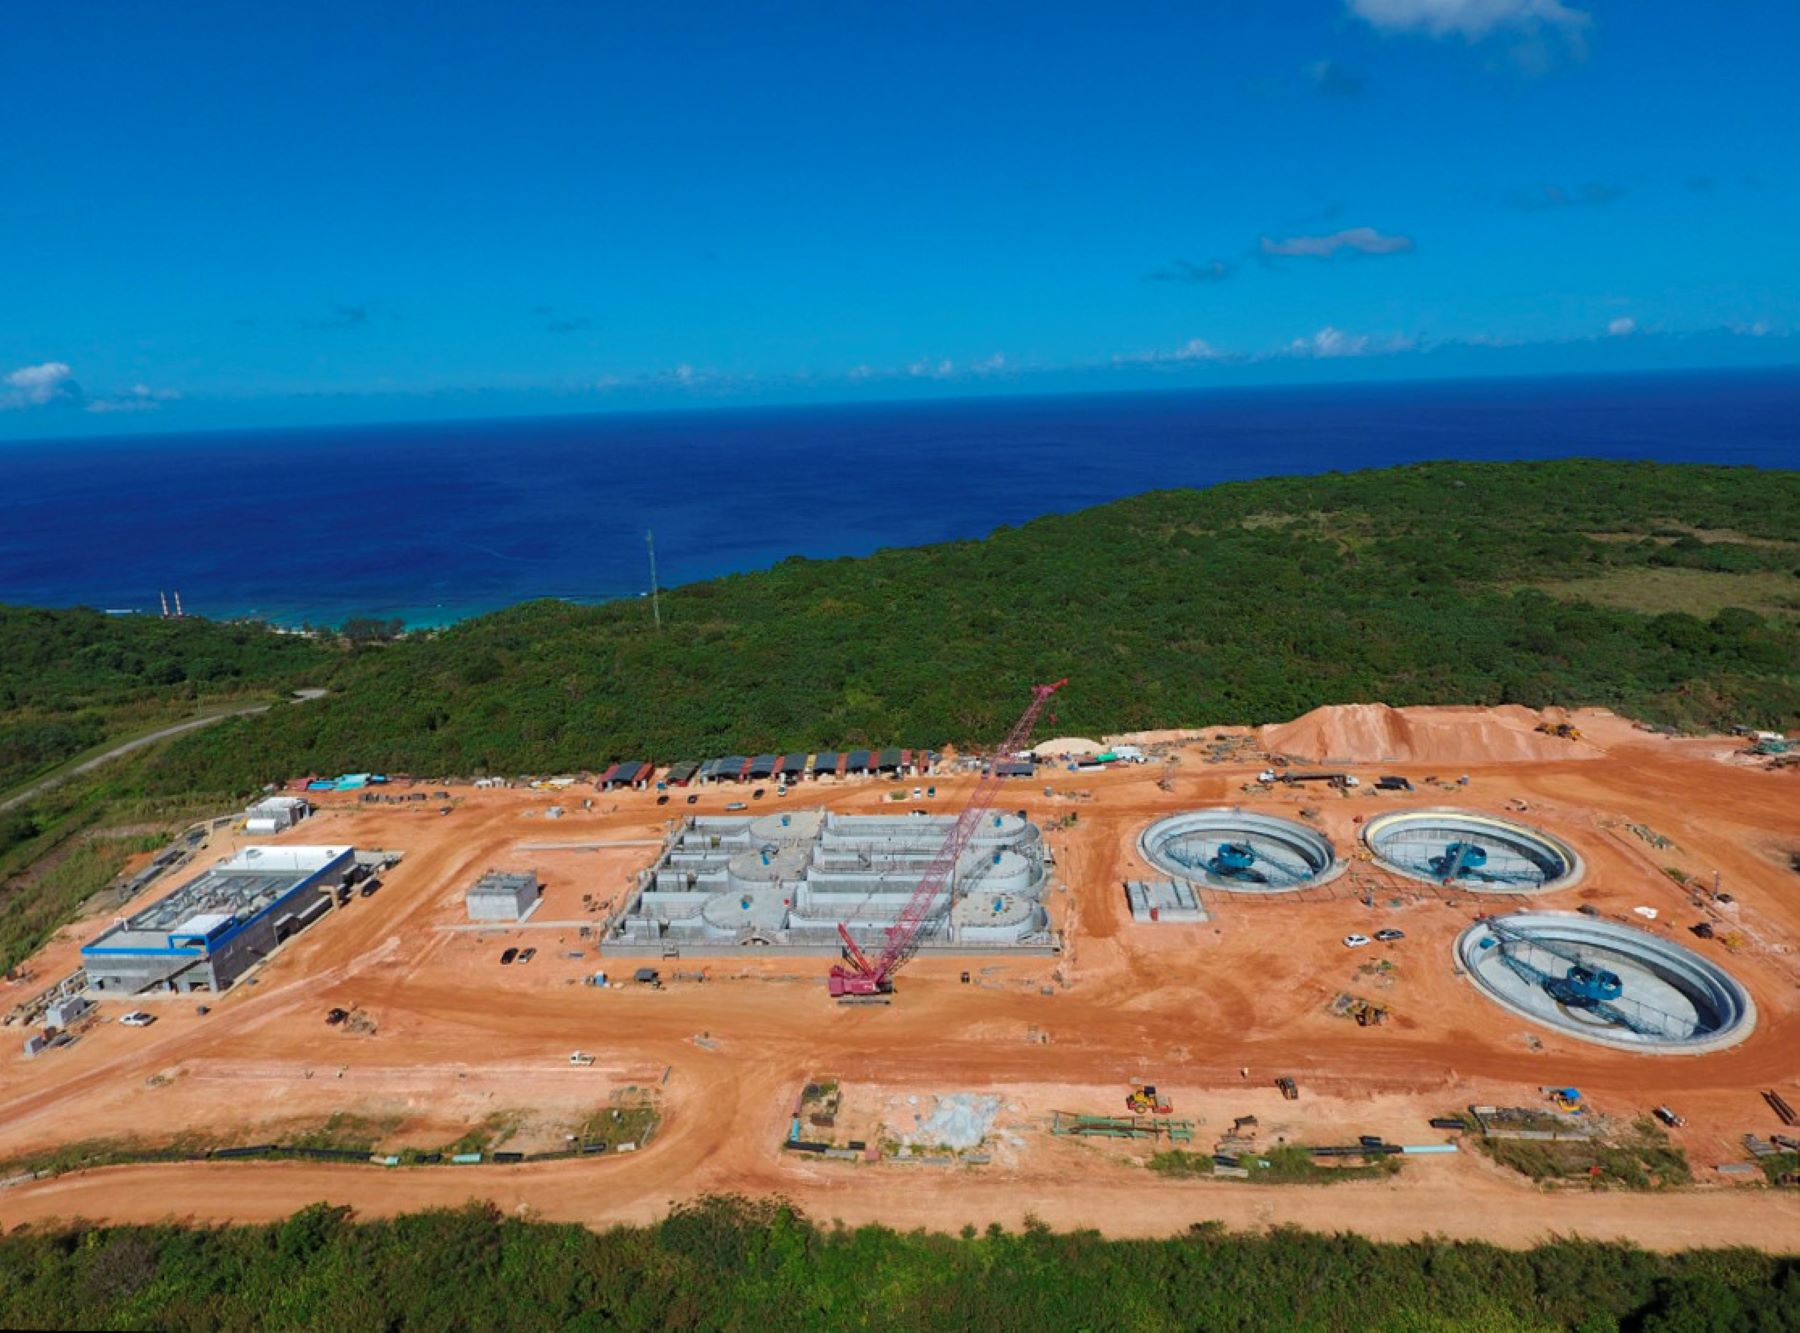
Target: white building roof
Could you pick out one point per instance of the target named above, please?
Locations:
(283, 858)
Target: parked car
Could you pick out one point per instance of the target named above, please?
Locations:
(736, 805)
(1355, 941)
(138, 1019)
(663, 799)
(757, 795)
(507, 957)
(526, 956)
(369, 886)
(336, 1016)
(693, 798)
(1389, 936)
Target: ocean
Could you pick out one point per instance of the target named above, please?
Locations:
(434, 523)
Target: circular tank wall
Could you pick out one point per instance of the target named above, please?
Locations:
(1471, 851)
(1240, 851)
(1606, 983)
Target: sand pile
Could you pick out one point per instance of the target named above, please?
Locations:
(1068, 745)
(1369, 733)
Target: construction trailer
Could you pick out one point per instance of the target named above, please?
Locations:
(215, 927)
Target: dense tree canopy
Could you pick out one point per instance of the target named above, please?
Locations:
(72, 679)
(726, 1263)
(1245, 603)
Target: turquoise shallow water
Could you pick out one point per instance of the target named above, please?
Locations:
(436, 522)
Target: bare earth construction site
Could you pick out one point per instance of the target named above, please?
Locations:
(1184, 923)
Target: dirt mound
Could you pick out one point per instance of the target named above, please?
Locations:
(1065, 745)
(1371, 733)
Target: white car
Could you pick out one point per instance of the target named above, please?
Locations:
(1355, 941)
(138, 1019)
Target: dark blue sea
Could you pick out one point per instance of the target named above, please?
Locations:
(436, 522)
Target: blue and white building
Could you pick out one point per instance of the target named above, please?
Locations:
(214, 928)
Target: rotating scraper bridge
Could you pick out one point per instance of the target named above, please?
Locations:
(1241, 851)
(1605, 982)
(784, 881)
(1471, 851)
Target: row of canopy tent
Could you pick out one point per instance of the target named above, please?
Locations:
(755, 768)
(626, 773)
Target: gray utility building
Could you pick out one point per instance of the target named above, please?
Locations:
(789, 878)
(214, 928)
(502, 896)
(277, 814)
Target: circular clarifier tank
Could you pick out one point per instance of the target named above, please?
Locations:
(1606, 983)
(1240, 851)
(1471, 851)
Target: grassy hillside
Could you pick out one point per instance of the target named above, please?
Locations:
(72, 680)
(730, 1264)
(1438, 583)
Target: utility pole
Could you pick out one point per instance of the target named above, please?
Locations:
(655, 596)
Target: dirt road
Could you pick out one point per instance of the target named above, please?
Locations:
(123, 748)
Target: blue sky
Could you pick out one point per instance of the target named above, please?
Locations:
(282, 213)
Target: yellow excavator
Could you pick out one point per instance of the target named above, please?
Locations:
(1568, 731)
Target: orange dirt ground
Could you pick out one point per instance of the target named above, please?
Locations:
(459, 1038)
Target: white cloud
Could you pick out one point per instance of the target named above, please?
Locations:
(1471, 20)
(1622, 327)
(39, 386)
(1362, 240)
(1194, 349)
(138, 398)
(1331, 342)
(992, 365)
(925, 368)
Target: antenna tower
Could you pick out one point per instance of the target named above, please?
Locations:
(655, 595)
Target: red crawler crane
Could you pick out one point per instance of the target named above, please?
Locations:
(866, 976)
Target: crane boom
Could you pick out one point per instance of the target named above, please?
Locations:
(866, 976)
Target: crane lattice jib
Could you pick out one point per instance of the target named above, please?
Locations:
(903, 937)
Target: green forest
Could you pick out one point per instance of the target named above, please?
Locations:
(730, 1263)
(1245, 603)
(70, 680)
